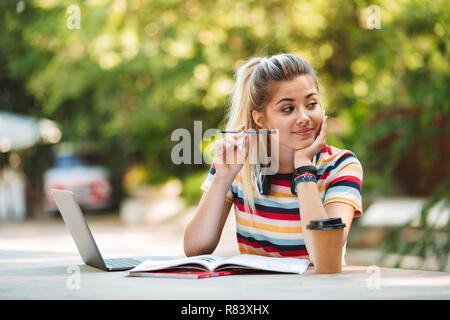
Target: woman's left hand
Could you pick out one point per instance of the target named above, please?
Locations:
(303, 157)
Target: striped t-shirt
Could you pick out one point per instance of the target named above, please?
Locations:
(274, 229)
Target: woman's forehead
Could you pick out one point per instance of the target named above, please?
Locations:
(297, 88)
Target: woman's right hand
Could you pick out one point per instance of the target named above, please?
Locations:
(230, 154)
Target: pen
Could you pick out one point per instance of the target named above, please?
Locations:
(249, 131)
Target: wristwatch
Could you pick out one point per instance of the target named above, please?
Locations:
(298, 171)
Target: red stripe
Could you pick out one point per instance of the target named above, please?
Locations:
(324, 176)
(346, 178)
(256, 245)
(271, 215)
(346, 154)
(326, 149)
(283, 183)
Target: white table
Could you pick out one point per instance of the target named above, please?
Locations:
(51, 275)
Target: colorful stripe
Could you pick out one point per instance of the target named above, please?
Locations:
(275, 229)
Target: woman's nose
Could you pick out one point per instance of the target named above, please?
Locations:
(302, 118)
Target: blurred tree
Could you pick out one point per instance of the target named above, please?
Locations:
(137, 70)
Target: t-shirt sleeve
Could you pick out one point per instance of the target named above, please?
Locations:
(207, 183)
(345, 182)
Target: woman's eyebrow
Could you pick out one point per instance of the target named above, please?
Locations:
(310, 94)
(285, 99)
(291, 99)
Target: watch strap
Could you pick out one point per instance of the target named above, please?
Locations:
(311, 169)
(298, 171)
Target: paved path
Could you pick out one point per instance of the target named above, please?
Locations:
(112, 236)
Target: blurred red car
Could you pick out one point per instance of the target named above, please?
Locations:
(90, 184)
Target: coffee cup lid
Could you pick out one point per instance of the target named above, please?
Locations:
(326, 224)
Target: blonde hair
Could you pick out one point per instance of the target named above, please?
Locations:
(252, 92)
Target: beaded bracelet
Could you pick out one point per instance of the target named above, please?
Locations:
(304, 177)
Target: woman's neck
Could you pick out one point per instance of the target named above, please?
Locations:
(286, 160)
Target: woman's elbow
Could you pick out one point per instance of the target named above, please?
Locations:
(193, 248)
(190, 251)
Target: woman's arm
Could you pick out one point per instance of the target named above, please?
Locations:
(344, 211)
(203, 232)
(310, 204)
(311, 208)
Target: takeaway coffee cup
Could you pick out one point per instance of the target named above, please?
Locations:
(327, 242)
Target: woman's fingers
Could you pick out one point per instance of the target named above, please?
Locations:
(324, 127)
(224, 145)
(320, 140)
(240, 139)
(232, 151)
(243, 147)
(233, 148)
(239, 135)
(237, 139)
(322, 137)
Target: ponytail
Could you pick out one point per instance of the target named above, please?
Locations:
(251, 93)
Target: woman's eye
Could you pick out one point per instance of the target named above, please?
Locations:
(287, 109)
(290, 108)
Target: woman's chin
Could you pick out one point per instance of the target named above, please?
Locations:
(303, 144)
(295, 143)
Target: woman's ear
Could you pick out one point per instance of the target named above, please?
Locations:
(257, 118)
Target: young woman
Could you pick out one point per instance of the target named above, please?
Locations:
(277, 93)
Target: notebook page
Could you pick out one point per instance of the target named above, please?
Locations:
(207, 260)
(291, 265)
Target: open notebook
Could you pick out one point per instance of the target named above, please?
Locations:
(212, 265)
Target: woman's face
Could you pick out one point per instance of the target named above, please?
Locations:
(294, 109)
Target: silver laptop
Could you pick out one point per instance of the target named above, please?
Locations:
(81, 234)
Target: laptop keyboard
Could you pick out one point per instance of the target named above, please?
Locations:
(122, 262)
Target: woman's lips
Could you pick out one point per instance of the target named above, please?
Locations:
(305, 132)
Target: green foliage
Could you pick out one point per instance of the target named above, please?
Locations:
(191, 187)
(432, 242)
(137, 70)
